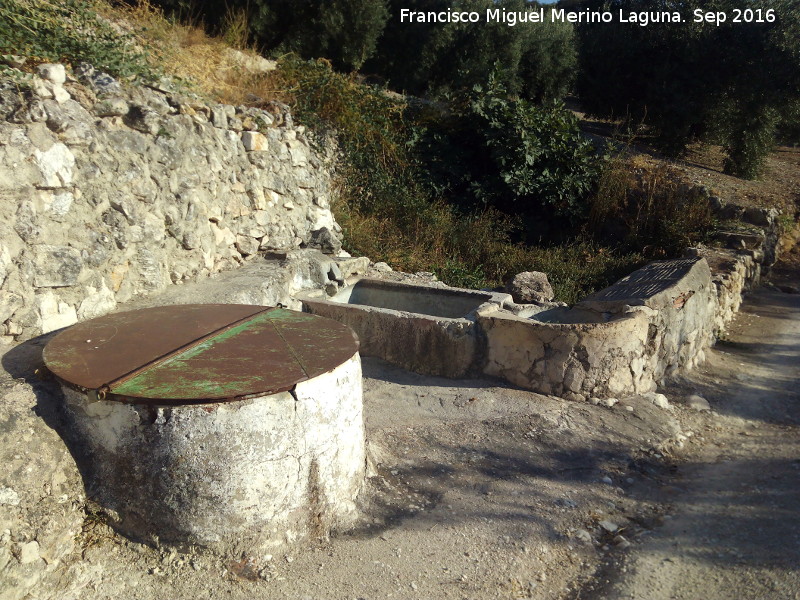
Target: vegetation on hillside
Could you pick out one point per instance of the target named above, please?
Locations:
(730, 83)
(71, 31)
(485, 175)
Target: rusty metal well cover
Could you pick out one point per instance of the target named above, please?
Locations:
(195, 353)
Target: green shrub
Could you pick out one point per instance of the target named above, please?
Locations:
(69, 31)
(490, 150)
(751, 139)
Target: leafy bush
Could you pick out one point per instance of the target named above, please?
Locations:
(69, 31)
(490, 150)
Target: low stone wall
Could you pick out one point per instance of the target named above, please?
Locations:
(652, 323)
(649, 326)
(570, 360)
(109, 194)
(679, 300)
(734, 274)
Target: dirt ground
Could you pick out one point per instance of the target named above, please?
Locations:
(734, 526)
(479, 490)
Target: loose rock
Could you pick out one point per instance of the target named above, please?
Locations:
(530, 286)
(609, 526)
(696, 402)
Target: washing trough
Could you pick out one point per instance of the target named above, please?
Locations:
(426, 329)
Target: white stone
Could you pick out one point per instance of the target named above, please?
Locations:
(222, 236)
(609, 526)
(43, 89)
(61, 203)
(53, 72)
(54, 313)
(530, 286)
(254, 141)
(97, 302)
(60, 94)
(697, 403)
(9, 304)
(250, 62)
(583, 536)
(299, 156)
(660, 400)
(8, 496)
(55, 165)
(621, 542)
(29, 552)
(5, 263)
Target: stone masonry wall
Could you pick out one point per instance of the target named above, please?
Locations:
(109, 193)
(651, 325)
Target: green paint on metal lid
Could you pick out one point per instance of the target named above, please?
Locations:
(195, 353)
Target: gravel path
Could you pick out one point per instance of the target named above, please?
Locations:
(735, 527)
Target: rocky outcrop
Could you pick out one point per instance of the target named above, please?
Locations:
(108, 193)
(41, 493)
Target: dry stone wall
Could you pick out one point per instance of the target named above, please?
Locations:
(108, 193)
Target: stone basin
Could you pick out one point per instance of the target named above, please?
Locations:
(426, 329)
(563, 351)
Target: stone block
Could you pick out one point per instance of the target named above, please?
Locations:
(56, 266)
(56, 165)
(246, 245)
(9, 304)
(52, 72)
(54, 313)
(97, 302)
(111, 107)
(60, 94)
(254, 141)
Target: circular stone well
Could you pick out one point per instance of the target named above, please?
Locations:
(233, 427)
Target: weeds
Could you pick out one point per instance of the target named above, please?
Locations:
(70, 31)
(645, 209)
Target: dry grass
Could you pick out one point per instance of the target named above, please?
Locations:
(186, 52)
(648, 207)
(475, 251)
